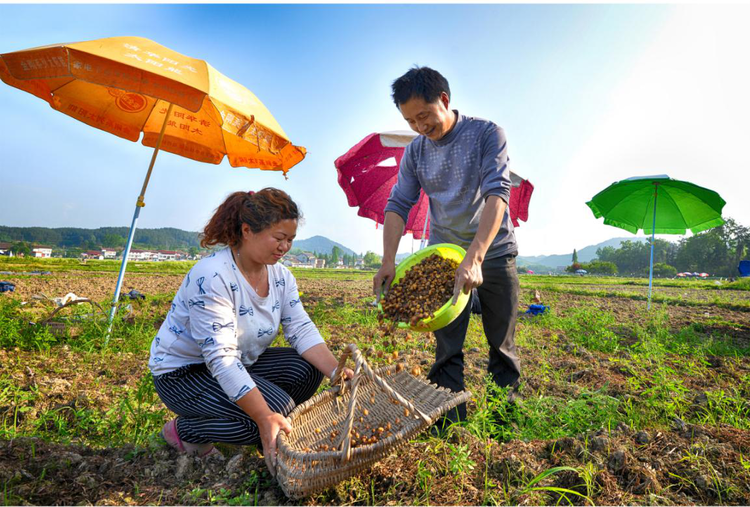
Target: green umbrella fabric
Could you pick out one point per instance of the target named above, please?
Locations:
(629, 205)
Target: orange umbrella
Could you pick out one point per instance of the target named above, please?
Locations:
(129, 85)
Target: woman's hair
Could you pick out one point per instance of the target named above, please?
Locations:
(259, 210)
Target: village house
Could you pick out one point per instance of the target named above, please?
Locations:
(44, 252)
(5, 249)
(141, 255)
(109, 253)
(167, 255)
(92, 254)
(303, 260)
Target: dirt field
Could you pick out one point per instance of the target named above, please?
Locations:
(684, 460)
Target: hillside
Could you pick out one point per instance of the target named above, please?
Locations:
(585, 254)
(166, 238)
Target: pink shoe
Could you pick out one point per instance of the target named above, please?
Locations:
(170, 436)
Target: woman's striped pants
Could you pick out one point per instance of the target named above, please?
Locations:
(205, 413)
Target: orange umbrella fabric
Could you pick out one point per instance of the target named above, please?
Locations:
(125, 85)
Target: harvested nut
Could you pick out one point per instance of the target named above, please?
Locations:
(416, 371)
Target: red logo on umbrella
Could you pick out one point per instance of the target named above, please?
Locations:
(129, 102)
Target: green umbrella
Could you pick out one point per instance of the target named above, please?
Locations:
(658, 204)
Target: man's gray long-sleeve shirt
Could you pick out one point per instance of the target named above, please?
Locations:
(458, 173)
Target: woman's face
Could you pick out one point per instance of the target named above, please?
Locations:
(271, 244)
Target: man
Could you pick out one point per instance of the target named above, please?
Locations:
(461, 163)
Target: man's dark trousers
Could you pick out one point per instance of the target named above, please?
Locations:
(499, 297)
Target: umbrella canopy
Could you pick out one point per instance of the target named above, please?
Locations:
(368, 171)
(658, 204)
(632, 204)
(129, 85)
(125, 85)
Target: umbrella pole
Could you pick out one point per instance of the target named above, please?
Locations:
(653, 235)
(138, 205)
(424, 228)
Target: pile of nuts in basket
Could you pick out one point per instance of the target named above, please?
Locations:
(366, 430)
(423, 290)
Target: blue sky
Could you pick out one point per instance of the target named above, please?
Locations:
(587, 95)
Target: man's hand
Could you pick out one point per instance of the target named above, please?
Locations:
(383, 278)
(269, 428)
(468, 277)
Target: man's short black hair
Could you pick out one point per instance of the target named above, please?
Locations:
(422, 82)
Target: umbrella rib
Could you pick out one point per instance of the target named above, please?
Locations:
(624, 202)
(677, 208)
(145, 121)
(221, 127)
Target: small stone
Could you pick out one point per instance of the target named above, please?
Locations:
(234, 463)
(700, 400)
(617, 460)
(578, 375)
(184, 464)
(622, 427)
(642, 438)
(599, 443)
(679, 425)
(703, 483)
(474, 350)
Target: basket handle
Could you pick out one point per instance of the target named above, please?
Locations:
(360, 365)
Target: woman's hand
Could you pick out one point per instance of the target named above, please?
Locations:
(269, 427)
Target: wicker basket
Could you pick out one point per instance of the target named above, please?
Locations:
(390, 403)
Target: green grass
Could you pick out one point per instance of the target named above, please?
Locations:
(57, 265)
(666, 372)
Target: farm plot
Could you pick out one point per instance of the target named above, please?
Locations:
(618, 404)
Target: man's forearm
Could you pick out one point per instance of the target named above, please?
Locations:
(489, 224)
(393, 229)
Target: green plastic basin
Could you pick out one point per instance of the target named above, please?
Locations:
(448, 312)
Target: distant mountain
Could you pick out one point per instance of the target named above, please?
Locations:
(585, 254)
(321, 245)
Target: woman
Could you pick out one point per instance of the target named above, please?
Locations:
(211, 360)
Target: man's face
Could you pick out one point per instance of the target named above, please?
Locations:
(433, 120)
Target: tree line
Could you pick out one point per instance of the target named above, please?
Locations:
(717, 252)
(105, 237)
